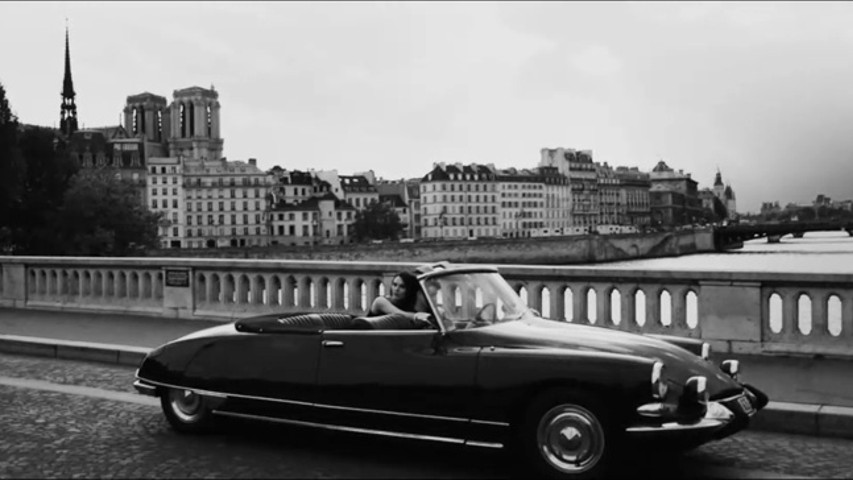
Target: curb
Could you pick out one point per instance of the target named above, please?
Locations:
(783, 417)
(73, 350)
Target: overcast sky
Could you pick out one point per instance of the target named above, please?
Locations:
(763, 91)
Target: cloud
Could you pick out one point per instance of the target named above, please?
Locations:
(597, 60)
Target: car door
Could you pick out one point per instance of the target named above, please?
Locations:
(271, 374)
(396, 380)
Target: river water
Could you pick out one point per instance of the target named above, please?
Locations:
(816, 252)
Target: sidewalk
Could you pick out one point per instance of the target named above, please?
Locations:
(812, 396)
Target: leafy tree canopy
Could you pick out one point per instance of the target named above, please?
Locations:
(378, 221)
(102, 215)
(11, 170)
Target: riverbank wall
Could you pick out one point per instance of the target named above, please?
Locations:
(570, 250)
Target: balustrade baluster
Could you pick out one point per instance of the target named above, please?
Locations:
(305, 292)
(355, 295)
(602, 306)
(242, 291)
(209, 288)
(820, 319)
(629, 315)
(534, 295)
(847, 317)
(653, 320)
(789, 315)
(579, 307)
(557, 305)
(678, 297)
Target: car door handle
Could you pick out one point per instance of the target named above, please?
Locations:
(332, 344)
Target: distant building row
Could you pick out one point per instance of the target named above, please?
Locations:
(173, 151)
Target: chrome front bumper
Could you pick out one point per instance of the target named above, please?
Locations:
(716, 417)
(145, 388)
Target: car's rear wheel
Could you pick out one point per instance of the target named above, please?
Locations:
(186, 411)
(566, 435)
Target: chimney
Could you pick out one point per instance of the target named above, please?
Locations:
(253, 162)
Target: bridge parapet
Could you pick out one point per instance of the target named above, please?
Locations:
(739, 312)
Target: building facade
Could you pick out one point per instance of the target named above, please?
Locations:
(674, 197)
(460, 201)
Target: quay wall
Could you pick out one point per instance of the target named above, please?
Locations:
(568, 250)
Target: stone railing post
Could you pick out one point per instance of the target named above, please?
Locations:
(730, 315)
(14, 278)
(178, 297)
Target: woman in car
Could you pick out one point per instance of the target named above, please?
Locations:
(401, 300)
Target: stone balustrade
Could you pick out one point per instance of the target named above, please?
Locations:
(739, 312)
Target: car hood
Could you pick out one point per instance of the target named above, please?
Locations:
(539, 333)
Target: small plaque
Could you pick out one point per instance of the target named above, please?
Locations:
(177, 277)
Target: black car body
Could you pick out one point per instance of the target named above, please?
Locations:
(490, 372)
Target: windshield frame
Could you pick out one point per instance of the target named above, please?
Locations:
(423, 280)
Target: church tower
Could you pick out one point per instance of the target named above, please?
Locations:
(68, 110)
(194, 124)
(719, 188)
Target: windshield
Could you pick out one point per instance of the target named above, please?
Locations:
(472, 300)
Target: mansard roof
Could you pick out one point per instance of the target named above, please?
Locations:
(395, 200)
(444, 172)
(297, 177)
(356, 183)
(313, 204)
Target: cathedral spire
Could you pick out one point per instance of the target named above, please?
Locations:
(68, 112)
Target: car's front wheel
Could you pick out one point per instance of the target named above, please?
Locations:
(566, 435)
(186, 411)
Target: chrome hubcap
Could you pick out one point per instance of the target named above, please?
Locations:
(186, 405)
(570, 438)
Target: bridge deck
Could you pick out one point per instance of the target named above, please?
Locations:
(785, 379)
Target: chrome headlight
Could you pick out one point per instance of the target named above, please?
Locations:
(706, 351)
(696, 390)
(659, 385)
(731, 368)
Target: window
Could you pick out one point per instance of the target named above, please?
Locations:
(154, 203)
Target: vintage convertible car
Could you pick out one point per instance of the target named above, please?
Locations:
(567, 398)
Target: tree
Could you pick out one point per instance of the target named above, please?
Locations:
(102, 215)
(11, 172)
(377, 222)
(44, 180)
(720, 210)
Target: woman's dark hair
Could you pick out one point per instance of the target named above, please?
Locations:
(411, 283)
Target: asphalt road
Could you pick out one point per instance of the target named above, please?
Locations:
(68, 419)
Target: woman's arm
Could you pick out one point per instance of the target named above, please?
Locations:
(383, 306)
